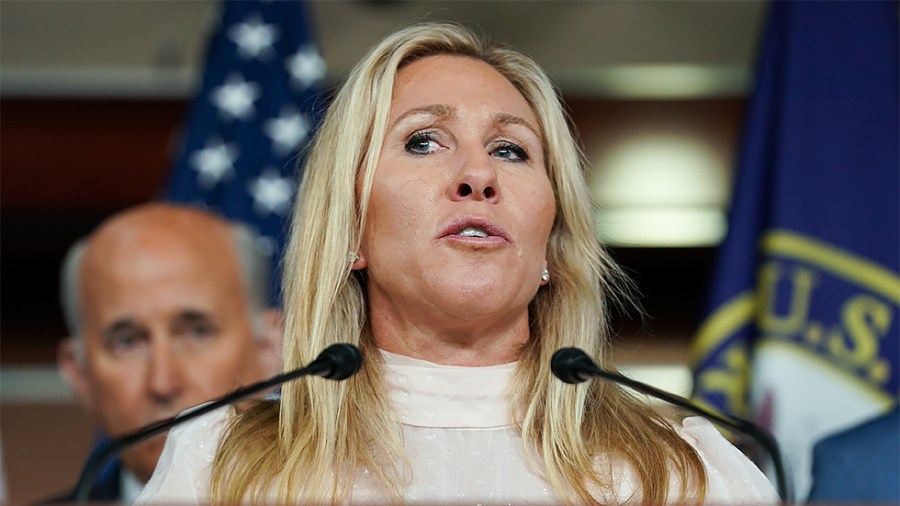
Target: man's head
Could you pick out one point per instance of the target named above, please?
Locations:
(166, 307)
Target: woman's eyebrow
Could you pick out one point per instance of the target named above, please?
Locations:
(442, 111)
(438, 110)
(505, 118)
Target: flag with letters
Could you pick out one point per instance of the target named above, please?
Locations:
(251, 118)
(804, 324)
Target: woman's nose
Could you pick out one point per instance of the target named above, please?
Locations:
(476, 192)
(476, 180)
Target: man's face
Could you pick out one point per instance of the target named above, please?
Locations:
(163, 329)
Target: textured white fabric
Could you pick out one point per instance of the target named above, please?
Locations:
(460, 444)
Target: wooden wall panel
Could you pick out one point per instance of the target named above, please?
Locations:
(84, 155)
(44, 447)
(66, 165)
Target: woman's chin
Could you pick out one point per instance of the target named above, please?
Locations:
(478, 302)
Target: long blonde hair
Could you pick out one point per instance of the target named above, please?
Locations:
(309, 445)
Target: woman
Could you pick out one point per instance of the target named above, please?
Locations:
(446, 170)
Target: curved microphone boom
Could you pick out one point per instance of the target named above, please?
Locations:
(337, 362)
(573, 365)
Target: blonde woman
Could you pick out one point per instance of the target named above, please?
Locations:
(444, 226)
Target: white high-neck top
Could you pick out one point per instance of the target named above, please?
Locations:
(461, 446)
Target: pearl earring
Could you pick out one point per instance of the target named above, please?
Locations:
(545, 276)
(352, 257)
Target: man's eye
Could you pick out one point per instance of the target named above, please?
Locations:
(422, 143)
(511, 152)
(200, 330)
(197, 330)
(126, 342)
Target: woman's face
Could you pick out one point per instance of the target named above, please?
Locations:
(461, 205)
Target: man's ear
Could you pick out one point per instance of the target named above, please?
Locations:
(270, 341)
(71, 364)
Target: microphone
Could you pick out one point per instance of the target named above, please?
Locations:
(573, 365)
(336, 362)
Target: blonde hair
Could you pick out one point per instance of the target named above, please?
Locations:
(310, 445)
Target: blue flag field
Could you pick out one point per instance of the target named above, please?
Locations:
(253, 115)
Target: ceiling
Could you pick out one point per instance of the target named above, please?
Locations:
(625, 49)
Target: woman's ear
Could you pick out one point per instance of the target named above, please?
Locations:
(359, 262)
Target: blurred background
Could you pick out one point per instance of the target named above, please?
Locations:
(95, 94)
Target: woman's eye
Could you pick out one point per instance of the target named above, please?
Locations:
(421, 144)
(511, 152)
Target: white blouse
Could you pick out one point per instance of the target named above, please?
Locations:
(460, 445)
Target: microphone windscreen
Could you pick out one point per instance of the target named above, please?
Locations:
(344, 359)
(567, 363)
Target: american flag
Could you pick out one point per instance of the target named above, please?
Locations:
(251, 118)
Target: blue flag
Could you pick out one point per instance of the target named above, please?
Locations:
(804, 325)
(251, 119)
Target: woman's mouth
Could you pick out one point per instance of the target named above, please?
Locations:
(474, 230)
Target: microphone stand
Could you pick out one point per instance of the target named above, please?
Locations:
(573, 365)
(337, 362)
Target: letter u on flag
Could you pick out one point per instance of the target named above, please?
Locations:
(804, 323)
(252, 117)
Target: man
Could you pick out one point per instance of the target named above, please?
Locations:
(167, 308)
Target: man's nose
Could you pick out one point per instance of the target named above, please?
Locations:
(164, 374)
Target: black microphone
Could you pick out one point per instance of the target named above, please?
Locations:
(337, 362)
(573, 365)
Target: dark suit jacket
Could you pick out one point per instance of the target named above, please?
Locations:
(859, 464)
(106, 488)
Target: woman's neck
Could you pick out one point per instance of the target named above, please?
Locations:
(463, 343)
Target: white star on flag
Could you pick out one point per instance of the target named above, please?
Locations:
(254, 38)
(288, 130)
(306, 66)
(271, 193)
(235, 98)
(214, 163)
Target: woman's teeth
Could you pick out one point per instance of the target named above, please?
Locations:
(473, 232)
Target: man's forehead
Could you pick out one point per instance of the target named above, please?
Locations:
(197, 232)
(163, 261)
(160, 269)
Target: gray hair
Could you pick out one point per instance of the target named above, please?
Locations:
(254, 265)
